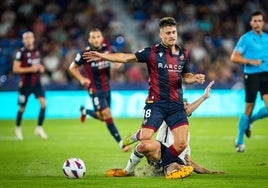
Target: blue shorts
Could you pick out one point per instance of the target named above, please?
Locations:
(26, 91)
(173, 113)
(101, 100)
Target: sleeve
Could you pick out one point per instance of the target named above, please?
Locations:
(79, 59)
(241, 45)
(18, 56)
(143, 55)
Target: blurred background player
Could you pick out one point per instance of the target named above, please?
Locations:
(153, 149)
(98, 83)
(29, 65)
(252, 52)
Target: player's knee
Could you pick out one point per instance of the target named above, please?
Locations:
(142, 147)
(146, 134)
(179, 147)
(105, 114)
(22, 109)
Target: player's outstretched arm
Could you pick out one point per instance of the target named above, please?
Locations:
(113, 57)
(199, 169)
(193, 106)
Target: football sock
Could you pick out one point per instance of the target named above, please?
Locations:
(92, 113)
(242, 126)
(170, 155)
(18, 119)
(133, 161)
(113, 130)
(135, 136)
(262, 113)
(41, 116)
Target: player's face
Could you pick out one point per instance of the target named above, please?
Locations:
(95, 39)
(28, 40)
(257, 23)
(168, 35)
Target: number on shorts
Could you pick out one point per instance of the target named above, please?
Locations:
(147, 113)
(96, 101)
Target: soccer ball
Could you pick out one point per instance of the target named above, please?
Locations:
(74, 168)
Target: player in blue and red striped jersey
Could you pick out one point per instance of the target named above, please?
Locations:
(97, 81)
(168, 66)
(29, 65)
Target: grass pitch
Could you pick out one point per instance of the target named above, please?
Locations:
(37, 163)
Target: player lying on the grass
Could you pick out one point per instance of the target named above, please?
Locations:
(153, 149)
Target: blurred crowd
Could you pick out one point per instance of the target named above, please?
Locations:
(208, 28)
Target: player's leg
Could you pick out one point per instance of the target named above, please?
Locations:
(251, 89)
(39, 131)
(134, 159)
(131, 138)
(242, 127)
(84, 112)
(151, 149)
(262, 112)
(140, 150)
(22, 101)
(108, 119)
(96, 113)
(148, 148)
(18, 131)
(177, 122)
(180, 143)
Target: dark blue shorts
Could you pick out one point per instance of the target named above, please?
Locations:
(173, 113)
(101, 100)
(26, 91)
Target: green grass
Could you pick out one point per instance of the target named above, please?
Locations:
(37, 163)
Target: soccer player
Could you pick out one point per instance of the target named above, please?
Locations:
(252, 52)
(28, 64)
(153, 149)
(98, 83)
(168, 66)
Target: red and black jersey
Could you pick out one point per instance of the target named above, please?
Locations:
(165, 71)
(27, 59)
(98, 72)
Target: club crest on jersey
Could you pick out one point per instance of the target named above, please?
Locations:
(181, 57)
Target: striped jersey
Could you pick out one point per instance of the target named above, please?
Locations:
(165, 71)
(98, 72)
(27, 59)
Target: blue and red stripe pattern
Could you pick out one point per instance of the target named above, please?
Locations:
(98, 72)
(165, 71)
(27, 59)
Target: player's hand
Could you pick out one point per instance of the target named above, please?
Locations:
(92, 56)
(208, 88)
(200, 78)
(254, 62)
(85, 82)
(35, 68)
(41, 68)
